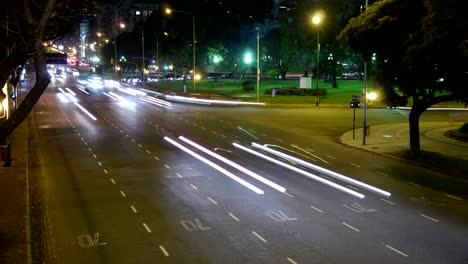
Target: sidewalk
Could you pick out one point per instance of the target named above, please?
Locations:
(440, 152)
(14, 211)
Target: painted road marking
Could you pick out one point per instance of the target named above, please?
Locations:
(133, 139)
(133, 209)
(396, 250)
(156, 158)
(331, 157)
(454, 197)
(316, 209)
(414, 184)
(147, 151)
(140, 145)
(213, 201)
(164, 251)
(355, 165)
(122, 193)
(90, 149)
(350, 226)
(288, 195)
(193, 186)
(105, 171)
(352, 187)
(178, 175)
(167, 166)
(291, 260)
(259, 237)
(94, 155)
(100, 164)
(234, 217)
(146, 227)
(387, 201)
(430, 218)
(112, 180)
(381, 173)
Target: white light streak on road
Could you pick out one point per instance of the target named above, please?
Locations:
(296, 146)
(259, 237)
(62, 98)
(235, 165)
(430, 218)
(454, 197)
(207, 101)
(350, 226)
(326, 171)
(211, 199)
(156, 102)
(108, 95)
(146, 227)
(215, 166)
(85, 111)
(396, 250)
(70, 91)
(305, 173)
(164, 251)
(234, 217)
(248, 133)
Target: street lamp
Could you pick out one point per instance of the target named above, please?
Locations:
(122, 26)
(316, 19)
(169, 11)
(143, 52)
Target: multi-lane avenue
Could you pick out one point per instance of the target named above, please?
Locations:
(133, 178)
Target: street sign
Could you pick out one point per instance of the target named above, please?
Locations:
(355, 98)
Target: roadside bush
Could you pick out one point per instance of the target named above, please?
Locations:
(248, 85)
(464, 128)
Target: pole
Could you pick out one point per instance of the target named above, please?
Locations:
(258, 64)
(317, 91)
(193, 74)
(364, 95)
(143, 51)
(157, 52)
(354, 120)
(115, 51)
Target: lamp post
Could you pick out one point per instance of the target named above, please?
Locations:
(143, 52)
(258, 64)
(364, 95)
(122, 26)
(316, 19)
(169, 11)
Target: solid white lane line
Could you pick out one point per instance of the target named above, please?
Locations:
(122, 193)
(331, 157)
(193, 186)
(147, 151)
(167, 166)
(105, 171)
(351, 227)
(454, 197)
(316, 209)
(291, 260)
(215, 166)
(355, 165)
(146, 227)
(381, 173)
(414, 184)
(259, 237)
(430, 218)
(213, 201)
(234, 217)
(112, 180)
(315, 167)
(156, 158)
(164, 251)
(305, 173)
(396, 250)
(178, 175)
(387, 201)
(235, 165)
(133, 209)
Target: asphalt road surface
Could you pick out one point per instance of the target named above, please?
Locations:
(122, 187)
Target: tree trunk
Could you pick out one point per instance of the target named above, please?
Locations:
(414, 115)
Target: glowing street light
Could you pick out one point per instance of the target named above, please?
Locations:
(316, 20)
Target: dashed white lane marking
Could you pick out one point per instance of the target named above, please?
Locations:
(133, 139)
(146, 227)
(100, 164)
(82, 139)
(105, 171)
(164, 251)
(140, 145)
(167, 166)
(396, 250)
(291, 260)
(350, 226)
(214, 132)
(381, 173)
(213, 201)
(133, 209)
(126, 135)
(90, 149)
(414, 184)
(193, 186)
(112, 180)
(122, 193)
(156, 158)
(288, 195)
(147, 151)
(355, 165)
(259, 237)
(331, 157)
(121, 131)
(430, 218)
(86, 144)
(387, 201)
(453, 197)
(352, 187)
(178, 175)
(316, 209)
(94, 155)
(277, 139)
(234, 217)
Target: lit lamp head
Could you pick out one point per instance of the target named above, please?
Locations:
(168, 11)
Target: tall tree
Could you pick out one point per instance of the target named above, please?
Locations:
(421, 47)
(31, 23)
